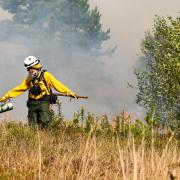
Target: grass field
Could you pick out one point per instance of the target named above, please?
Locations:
(71, 153)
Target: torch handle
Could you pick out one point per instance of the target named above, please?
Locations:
(63, 94)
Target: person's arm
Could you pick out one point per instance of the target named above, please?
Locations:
(57, 85)
(18, 90)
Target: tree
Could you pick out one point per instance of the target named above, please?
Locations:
(159, 69)
(70, 23)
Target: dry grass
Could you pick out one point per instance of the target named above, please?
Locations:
(32, 154)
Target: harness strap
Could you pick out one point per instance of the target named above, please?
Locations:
(41, 77)
(44, 81)
(52, 97)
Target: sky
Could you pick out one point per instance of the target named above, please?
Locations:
(128, 21)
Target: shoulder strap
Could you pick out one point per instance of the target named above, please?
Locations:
(44, 81)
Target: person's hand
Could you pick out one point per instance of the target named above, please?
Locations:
(71, 94)
(3, 99)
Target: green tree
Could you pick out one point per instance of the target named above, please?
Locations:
(67, 22)
(158, 71)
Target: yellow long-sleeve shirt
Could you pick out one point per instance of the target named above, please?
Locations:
(51, 82)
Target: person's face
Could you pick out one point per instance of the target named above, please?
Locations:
(32, 72)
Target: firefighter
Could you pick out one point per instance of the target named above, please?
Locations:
(39, 83)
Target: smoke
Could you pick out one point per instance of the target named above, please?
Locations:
(82, 72)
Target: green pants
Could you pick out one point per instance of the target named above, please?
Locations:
(39, 113)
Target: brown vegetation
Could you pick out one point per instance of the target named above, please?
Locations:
(72, 154)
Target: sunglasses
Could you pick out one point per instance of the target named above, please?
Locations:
(28, 69)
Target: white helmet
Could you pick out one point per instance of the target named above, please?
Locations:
(31, 61)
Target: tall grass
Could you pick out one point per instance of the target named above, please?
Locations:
(62, 152)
